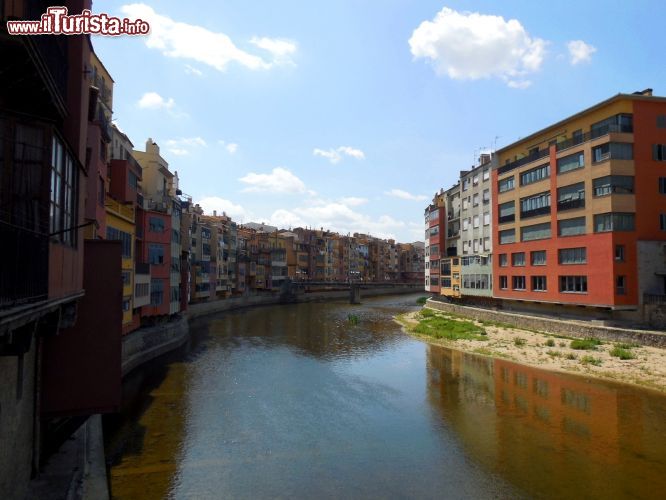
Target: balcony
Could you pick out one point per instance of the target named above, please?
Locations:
(503, 219)
(542, 153)
(535, 212)
(24, 266)
(452, 251)
(453, 215)
(120, 209)
(650, 298)
(453, 234)
(570, 204)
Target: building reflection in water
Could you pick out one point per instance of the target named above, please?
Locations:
(542, 431)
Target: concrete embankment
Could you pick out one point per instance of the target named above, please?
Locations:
(568, 327)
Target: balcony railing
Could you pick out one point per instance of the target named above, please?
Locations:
(24, 261)
(570, 204)
(453, 215)
(535, 212)
(650, 298)
(453, 234)
(503, 219)
(542, 153)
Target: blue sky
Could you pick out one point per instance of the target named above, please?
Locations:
(350, 114)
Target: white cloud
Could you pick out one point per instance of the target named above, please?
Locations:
(236, 212)
(190, 70)
(280, 180)
(404, 195)
(336, 155)
(232, 147)
(353, 201)
(189, 41)
(152, 100)
(181, 146)
(337, 216)
(470, 46)
(580, 52)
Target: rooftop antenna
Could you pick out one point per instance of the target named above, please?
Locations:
(495, 143)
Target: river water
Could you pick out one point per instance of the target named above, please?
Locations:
(296, 401)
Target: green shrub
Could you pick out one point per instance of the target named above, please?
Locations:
(440, 327)
(570, 355)
(550, 343)
(622, 353)
(587, 344)
(589, 360)
(353, 319)
(553, 354)
(427, 313)
(421, 301)
(519, 342)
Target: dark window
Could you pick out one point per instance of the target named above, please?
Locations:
(618, 123)
(506, 184)
(125, 238)
(64, 186)
(518, 259)
(538, 258)
(503, 260)
(156, 225)
(662, 185)
(659, 152)
(661, 121)
(535, 232)
(571, 227)
(572, 196)
(507, 236)
(573, 284)
(662, 222)
(613, 222)
(620, 284)
(539, 283)
(573, 255)
(156, 254)
(535, 175)
(613, 184)
(133, 180)
(507, 212)
(156, 292)
(613, 151)
(571, 162)
(519, 283)
(619, 253)
(504, 282)
(533, 206)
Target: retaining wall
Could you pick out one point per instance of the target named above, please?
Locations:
(569, 327)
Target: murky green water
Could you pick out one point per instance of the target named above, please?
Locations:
(295, 402)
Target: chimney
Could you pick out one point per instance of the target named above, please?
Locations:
(484, 158)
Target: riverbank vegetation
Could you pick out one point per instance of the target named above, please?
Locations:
(622, 362)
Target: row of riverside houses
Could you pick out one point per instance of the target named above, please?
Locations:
(98, 240)
(568, 221)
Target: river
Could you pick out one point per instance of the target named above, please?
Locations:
(296, 401)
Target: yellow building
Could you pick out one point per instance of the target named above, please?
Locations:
(120, 226)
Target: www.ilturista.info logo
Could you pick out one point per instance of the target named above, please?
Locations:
(56, 21)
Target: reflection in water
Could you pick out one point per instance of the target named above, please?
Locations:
(293, 401)
(551, 434)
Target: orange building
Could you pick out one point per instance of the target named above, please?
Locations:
(579, 213)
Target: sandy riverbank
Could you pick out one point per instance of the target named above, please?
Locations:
(647, 369)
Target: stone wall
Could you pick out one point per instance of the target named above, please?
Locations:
(569, 327)
(148, 343)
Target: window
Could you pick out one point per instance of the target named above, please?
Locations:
(156, 225)
(503, 260)
(620, 285)
(476, 246)
(465, 203)
(619, 253)
(613, 151)
(506, 184)
(613, 184)
(504, 282)
(538, 258)
(465, 184)
(486, 219)
(661, 121)
(156, 292)
(535, 175)
(476, 221)
(535, 232)
(132, 180)
(613, 222)
(142, 289)
(507, 236)
(434, 231)
(659, 152)
(662, 222)
(126, 278)
(486, 196)
(539, 283)
(156, 254)
(662, 185)
(486, 243)
(571, 162)
(572, 196)
(464, 247)
(535, 205)
(475, 180)
(572, 255)
(507, 212)
(125, 238)
(519, 283)
(573, 284)
(126, 305)
(486, 173)
(618, 123)
(64, 182)
(571, 227)
(465, 224)
(518, 259)
(475, 199)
